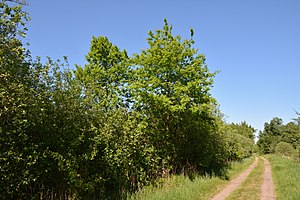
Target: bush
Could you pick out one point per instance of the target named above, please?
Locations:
(284, 149)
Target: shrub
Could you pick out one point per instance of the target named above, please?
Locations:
(285, 149)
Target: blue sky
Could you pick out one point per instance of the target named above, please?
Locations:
(255, 44)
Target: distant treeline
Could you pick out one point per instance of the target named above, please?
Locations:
(106, 129)
(281, 138)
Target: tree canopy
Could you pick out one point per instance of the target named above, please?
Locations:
(105, 129)
(276, 131)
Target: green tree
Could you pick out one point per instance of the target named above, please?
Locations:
(171, 86)
(120, 147)
(275, 132)
(244, 129)
(238, 139)
(291, 134)
(38, 124)
(105, 74)
(15, 100)
(271, 135)
(106, 128)
(13, 56)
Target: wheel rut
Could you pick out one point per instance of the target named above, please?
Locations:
(267, 187)
(235, 183)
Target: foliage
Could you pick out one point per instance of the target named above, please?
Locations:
(238, 139)
(112, 126)
(181, 187)
(244, 129)
(103, 78)
(14, 100)
(170, 87)
(284, 149)
(275, 132)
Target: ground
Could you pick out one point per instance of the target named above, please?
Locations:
(267, 188)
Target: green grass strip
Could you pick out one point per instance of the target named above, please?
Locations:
(250, 189)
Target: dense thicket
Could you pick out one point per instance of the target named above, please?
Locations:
(111, 126)
(275, 132)
(239, 140)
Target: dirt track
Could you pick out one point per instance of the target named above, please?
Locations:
(235, 183)
(267, 188)
(267, 191)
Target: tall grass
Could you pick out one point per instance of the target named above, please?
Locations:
(286, 177)
(181, 187)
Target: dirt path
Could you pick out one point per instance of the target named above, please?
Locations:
(267, 188)
(235, 183)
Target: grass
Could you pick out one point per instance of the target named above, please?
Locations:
(286, 177)
(181, 187)
(250, 189)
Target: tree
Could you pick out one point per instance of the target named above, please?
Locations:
(109, 127)
(275, 132)
(291, 134)
(15, 100)
(120, 147)
(104, 75)
(171, 87)
(271, 135)
(37, 118)
(13, 56)
(238, 140)
(244, 129)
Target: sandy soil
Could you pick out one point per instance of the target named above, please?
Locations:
(267, 188)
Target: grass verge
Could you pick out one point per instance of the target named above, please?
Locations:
(286, 177)
(250, 189)
(180, 187)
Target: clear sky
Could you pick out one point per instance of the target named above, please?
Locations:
(254, 43)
